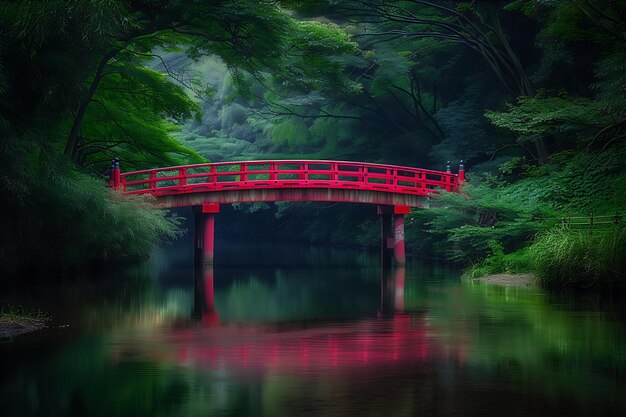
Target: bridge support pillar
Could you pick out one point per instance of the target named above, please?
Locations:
(392, 235)
(398, 233)
(204, 239)
(386, 235)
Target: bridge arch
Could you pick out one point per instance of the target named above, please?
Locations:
(394, 189)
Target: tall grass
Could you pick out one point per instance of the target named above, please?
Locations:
(567, 258)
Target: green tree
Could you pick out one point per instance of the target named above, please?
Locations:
(111, 39)
(476, 26)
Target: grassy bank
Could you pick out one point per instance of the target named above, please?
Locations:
(566, 258)
(16, 320)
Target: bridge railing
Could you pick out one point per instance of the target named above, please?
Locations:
(287, 174)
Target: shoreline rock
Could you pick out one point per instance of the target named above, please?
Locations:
(14, 327)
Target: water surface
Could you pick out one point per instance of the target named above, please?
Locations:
(295, 331)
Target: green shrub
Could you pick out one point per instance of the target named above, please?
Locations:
(464, 227)
(500, 263)
(71, 221)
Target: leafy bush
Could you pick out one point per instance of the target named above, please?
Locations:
(488, 214)
(499, 262)
(487, 224)
(72, 221)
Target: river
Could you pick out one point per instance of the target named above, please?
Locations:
(287, 330)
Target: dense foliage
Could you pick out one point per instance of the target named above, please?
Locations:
(76, 89)
(530, 93)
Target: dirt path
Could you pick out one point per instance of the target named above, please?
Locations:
(511, 280)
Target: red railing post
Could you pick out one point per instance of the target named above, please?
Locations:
(461, 174)
(243, 168)
(152, 177)
(183, 177)
(273, 174)
(212, 174)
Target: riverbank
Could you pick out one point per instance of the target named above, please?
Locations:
(16, 320)
(509, 280)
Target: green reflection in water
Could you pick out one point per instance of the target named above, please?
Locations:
(526, 334)
(296, 294)
(491, 350)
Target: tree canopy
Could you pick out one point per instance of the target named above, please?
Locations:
(530, 93)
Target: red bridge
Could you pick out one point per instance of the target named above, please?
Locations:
(394, 189)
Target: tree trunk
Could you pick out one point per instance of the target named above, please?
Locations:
(72, 139)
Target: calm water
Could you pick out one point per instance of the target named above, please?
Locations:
(314, 333)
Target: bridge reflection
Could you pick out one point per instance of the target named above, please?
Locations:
(204, 311)
(204, 295)
(393, 338)
(390, 337)
(391, 292)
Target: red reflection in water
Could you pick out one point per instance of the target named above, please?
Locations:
(209, 314)
(398, 340)
(368, 343)
(398, 295)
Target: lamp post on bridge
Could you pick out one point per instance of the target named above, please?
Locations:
(114, 174)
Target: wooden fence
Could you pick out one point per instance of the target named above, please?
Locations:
(594, 222)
